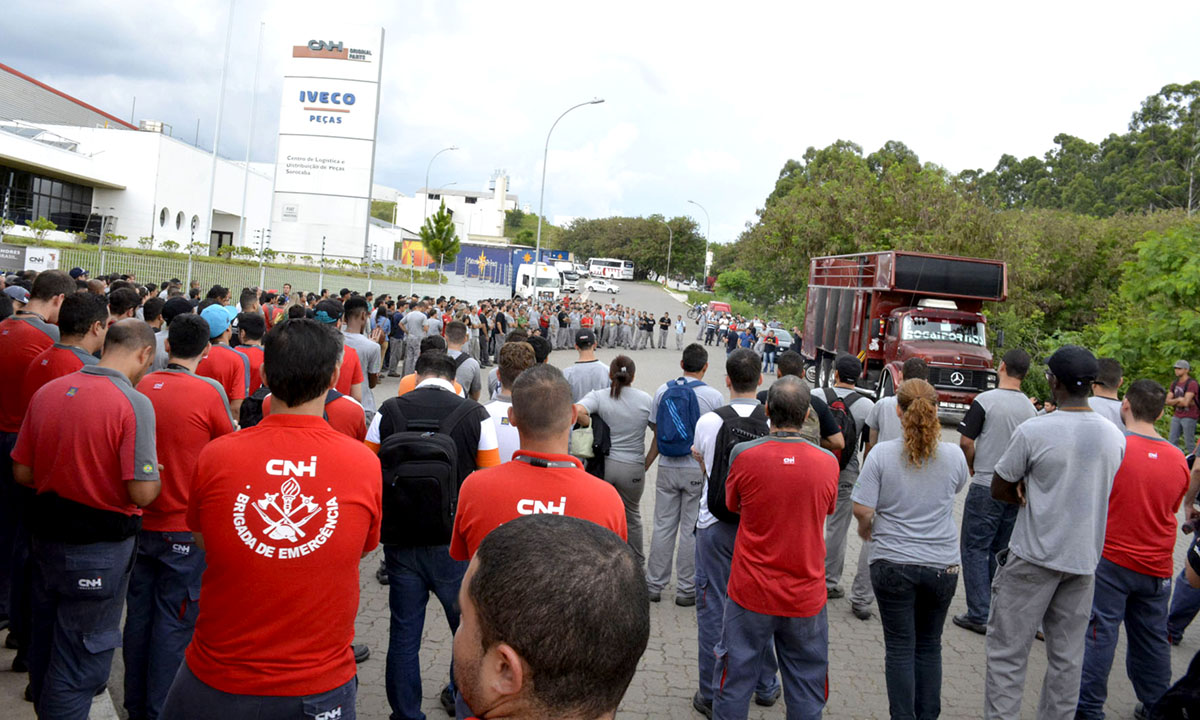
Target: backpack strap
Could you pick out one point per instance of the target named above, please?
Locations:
(726, 413)
(461, 359)
(831, 396)
(851, 398)
(332, 395)
(456, 416)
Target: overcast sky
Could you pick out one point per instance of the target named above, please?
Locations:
(704, 100)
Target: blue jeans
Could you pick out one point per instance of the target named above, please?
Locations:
(78, 593)
(1140, 601)
(913, 601)
(714, 555)
(160, 617)
(768, 361)
(1184, 428)
(413, 573)
(987, 525)
(1185, 603)
(803, 647)
(191, 699)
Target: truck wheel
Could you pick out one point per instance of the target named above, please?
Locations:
(810, 374)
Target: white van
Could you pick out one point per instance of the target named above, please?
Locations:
(539, 278)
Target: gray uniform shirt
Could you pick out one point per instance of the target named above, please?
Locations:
(990, 422)
(414, 324)
(467, 374)
(1110, 409)
(914, 506)
(627, 418)
(584, 377)
(884, 420)
(370, 356)
(1067, 460)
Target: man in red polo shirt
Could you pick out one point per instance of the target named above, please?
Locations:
(189, 411)
(92, 479)
(1133, 579)
(784, 488)
(250, 328)
(350, 377)
(23, 336)
(82, 323)
(224, 364)
(284, 511)
(541, 477)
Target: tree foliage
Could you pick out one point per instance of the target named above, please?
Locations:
(521, 228)
(383, 210)
(643, 240)
(439, 237)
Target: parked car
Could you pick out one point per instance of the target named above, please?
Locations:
(602, 285)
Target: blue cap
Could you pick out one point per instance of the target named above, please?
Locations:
(217, 319)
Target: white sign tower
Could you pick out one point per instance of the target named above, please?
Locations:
(326, 150)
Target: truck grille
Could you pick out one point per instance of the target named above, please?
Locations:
(944, 378)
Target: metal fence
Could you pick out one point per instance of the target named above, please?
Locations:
(235, 275)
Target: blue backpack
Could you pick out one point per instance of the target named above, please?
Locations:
(678, 413)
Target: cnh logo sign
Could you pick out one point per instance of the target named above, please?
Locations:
(325, 45)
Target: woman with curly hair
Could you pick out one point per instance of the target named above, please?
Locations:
(904, 501)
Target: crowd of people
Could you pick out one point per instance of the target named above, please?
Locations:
(213, 472)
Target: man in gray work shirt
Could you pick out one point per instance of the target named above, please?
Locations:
(588, 373)
(414, 332)
(466, 372)
(848, 369)
(1059, 469)
(987, 523)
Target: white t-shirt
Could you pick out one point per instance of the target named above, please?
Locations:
(506, 433)
(705, 441)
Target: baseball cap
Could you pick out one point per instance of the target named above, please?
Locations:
(217, 319)
(1182, 365)
(848, 367)
(18, 293)
(585, 337)
(329, 311)
(176, 306)
(76, 272)
(1073, 365)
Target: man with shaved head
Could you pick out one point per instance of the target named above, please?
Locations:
(92, 479)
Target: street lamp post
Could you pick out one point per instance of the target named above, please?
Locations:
(670, 241)
(707, 237)
(424, 210)
(537, 256)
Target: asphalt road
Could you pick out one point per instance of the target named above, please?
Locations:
(667, 675)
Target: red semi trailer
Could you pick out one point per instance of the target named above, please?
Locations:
(886, 307)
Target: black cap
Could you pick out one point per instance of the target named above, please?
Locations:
(848, 367)
(585, 337)
(177, 305)
(1074, 366)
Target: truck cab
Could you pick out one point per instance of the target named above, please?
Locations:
(537, 281)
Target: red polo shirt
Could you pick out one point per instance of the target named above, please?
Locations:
(351, 373)
(228, 367)
(342, 412)
(86, 435)
(1146, 494)
(491, 497)
(287, 509)
(53, 362)
(189, 411)
(22, 338)
(783, 488)
(253, 353)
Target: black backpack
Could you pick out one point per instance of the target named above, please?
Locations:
(840, 407)
(734, 429)
(251, 413)
(420, 467)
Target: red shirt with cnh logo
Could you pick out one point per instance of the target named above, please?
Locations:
(20, 342)
(53, 362)
(491, 497)
(287, 509)
(189, 411)
(1146, 493)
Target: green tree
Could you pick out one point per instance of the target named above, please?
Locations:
(439, 237)
(114, 240)
(170, 246)
(146, 242)
(40, 227)
(383, 210)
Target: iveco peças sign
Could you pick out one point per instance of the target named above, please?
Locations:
(324, 106)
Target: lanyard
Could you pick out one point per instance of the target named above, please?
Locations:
(785, 434)
(177, 366)
(543, 463)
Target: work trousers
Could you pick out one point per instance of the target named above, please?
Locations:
(1024, 596)
(412, 348)
(1184, 428)
(662, 338)
(161, 609)
(1140, 602)
(78, 593)
(191, 699)
(837, 528)
(987, 525)
(630, 481)
(714, 555)
(802, 644)
(678, 341)
(676, 504)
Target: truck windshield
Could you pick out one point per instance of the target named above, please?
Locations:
(959, 331)
(547, 282)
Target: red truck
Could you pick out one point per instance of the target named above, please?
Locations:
(885, 307)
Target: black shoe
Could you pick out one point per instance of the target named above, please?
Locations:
(655, 596)
(447, 699)
(10, 642)
(381, 575)
(768, 700)
(20, 664)
(968, 624)
(685, 600)
(361, 652)
(861, 612)
(100, 691)
(702, 706)
(835, 592)
(28, 692)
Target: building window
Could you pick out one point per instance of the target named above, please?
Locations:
(471, 200)
(28, 196)
(179, 220)
(162, 217)
(435, 196)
